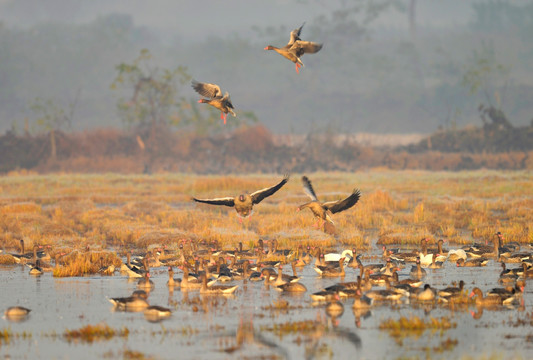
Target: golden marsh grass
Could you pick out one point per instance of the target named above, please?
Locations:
(138, 211)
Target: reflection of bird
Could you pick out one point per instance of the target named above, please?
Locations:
(244, 203)
(216, 99)
(246, 340)
(323, 210)
(295, 48)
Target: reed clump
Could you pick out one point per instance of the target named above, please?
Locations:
(415, 326)
(79, 263)
(92, 333)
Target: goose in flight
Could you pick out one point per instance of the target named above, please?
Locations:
(296, 48)
(323, 211)
(216, 99)
(244, 203)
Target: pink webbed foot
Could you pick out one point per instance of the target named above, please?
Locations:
(297, 68)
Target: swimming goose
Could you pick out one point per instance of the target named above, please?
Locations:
(217, 289)
(489, 300)
(172, 282)
(331, 272)
(156, 313)
(135, 302)
(36, 269)
(215, 98)
(244, 203)
(472, 262)
(16, 313)
(296, 48)
(322, 211)
(452, 290)
(416, 271)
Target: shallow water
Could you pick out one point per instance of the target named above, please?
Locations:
(206, 326)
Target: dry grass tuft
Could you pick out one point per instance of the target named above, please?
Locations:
(78, 264)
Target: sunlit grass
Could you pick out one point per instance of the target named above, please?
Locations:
(138, 211)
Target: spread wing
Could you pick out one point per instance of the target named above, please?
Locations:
(295, 35)
(227, 100)
(308, 188)
(340, 205)
(206, 89)
(259, 195)
(227, 201)
(305, 47)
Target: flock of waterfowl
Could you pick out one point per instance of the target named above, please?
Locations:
(293, 51)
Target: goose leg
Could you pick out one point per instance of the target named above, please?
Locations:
(297, 68)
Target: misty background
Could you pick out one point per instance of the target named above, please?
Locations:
(389, 66)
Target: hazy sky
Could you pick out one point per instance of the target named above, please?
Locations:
(198, 19)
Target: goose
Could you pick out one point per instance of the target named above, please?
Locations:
(244, 203)
(335, 308)
(155, 313)
(452, 290)
(215, 98)
(145, 283)
(135, 302)
(172, 282)
(36, 269)
(216, 289)
(346, 254)
(331, 272)
(361, 301)
(296, 48)
(425, 294)
(489, 300)
(434, 263)
(456, 254)
(472, 262)
(416, 271)
(16, 313)
(322, 211)
(292, 287)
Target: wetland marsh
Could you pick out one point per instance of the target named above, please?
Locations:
(108, 215)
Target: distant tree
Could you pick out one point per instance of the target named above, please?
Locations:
(52, 118)
(486, 75)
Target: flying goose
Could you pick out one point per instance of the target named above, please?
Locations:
(323, 210)
(216, 99)
(244, 203)
(295, 48)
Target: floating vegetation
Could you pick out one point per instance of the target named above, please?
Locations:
(91, 333)
(6, 335)
(296, 327)
(415, 326)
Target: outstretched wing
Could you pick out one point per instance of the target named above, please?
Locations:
(227, 201)
(308, 188)
(295, 35)
(340, 205)
(206, 89)
(305, 47)
(259, 195)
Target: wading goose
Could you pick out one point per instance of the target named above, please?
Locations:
(216, 99)
(296, 48)
(244, 203)
(322, 211)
